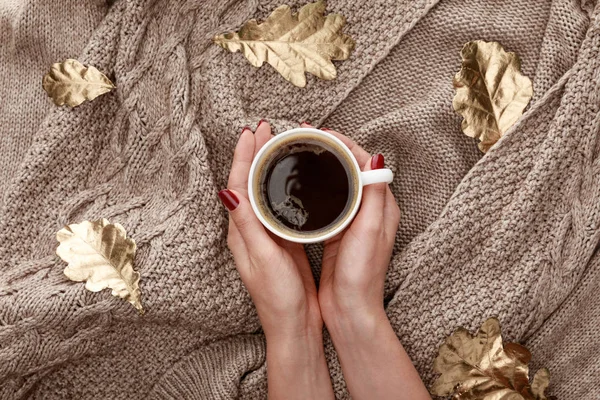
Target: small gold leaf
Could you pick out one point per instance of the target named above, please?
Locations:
(480, 367)
(491, 92)
(101, 254)
(71, 83)
(293, 43)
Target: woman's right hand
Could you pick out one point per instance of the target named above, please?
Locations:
(351, 289)
(355, 261)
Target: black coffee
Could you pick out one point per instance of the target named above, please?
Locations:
(306, 187)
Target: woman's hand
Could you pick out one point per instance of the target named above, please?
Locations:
(353, 270)
(355, 261)
(279, 279)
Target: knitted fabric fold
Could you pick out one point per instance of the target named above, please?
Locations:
(229, 360)
(510, 234)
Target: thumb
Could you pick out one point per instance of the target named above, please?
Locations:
(246, 222)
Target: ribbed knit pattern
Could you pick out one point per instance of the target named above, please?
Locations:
(510, 234)
(35, 34)
(229, 360)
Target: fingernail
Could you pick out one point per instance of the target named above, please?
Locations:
(325, 129)
(305, 123)
(229, 199)
(246, 128)
(377, 161)
(260, 122)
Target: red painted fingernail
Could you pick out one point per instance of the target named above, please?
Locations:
(377, 161)
(305, 123)
(246, 128)
(229, 199)
(260, 122)
(325, 129)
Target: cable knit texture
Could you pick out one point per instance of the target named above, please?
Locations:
(512, 234)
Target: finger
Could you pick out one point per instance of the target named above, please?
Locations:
(262, 135)
(296, 250)
(306, 124)
(391, 213)
(359, 153)
(247, 224)
(330, 252)
(242, 160)
(373, 202)
(236, 244)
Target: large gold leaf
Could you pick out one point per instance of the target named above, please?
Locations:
(72, 83)
(491, 92)
(101, 254)
(480, 367)
(293, 43)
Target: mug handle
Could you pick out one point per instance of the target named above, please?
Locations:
(383, 175)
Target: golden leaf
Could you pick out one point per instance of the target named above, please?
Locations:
(101, 254)
(491, 92)
(540, 383)
(293, 44)
(481, 367)
(72, 83)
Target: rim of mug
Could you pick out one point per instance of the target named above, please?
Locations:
(252, 196)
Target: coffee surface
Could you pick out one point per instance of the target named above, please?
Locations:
(306, 187)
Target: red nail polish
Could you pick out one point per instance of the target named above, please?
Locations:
(305, 123)
(325, 129)
(377, 161)
(246, 128)
(229, 199)
(260, 122)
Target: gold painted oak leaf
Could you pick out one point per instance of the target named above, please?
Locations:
(480, 367)
(71, 83)
(491, 92)
(293, 43)
(101, 254)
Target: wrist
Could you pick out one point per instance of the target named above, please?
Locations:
(294, 331)
(373, 361)
(295, 342)
(352, 327)
(354, 309)
(303, 324)
(302, 348)
(297, 367)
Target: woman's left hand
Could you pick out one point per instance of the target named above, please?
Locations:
(276, 272)
(278, 277)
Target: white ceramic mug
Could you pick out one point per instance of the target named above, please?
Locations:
(358, 180)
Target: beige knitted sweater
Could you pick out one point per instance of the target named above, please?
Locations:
(512, 234)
